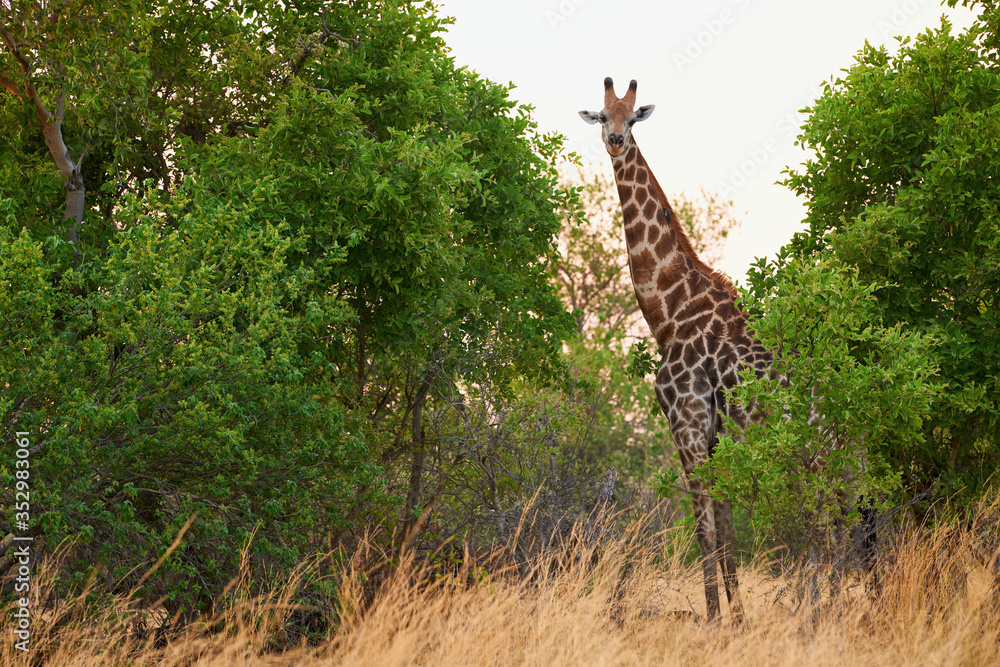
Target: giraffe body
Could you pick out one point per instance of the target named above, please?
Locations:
(700, 330)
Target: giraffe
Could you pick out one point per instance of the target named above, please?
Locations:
(701, 332)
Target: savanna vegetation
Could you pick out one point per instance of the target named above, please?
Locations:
(321, 352)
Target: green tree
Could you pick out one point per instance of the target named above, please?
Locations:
(904, 188)
(848, 392)
(301, 227)
(882, 313)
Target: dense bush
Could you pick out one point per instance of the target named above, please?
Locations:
(300, 226)
(883, 311)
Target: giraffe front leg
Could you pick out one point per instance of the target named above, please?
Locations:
(692, 425)
(704, 515)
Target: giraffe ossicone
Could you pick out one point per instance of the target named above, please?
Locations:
(701, 332)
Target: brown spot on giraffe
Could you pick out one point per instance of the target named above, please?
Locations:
(674, 299)
(691, 356)
(669, 276)
(713, 339)
(656, 319)
(652, 234)
(699, 346)
(693, 327)
(701, 385)
(643, 266)
(663, 249)
(634, 233)
(649, 209)
(698, 305)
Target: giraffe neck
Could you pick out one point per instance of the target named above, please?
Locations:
(676, 291)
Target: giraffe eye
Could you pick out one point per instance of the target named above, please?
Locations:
(604, 118)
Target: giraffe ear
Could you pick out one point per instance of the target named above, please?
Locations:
(590, 116)
(642, 113)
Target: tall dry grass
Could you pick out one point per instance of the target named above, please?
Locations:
(627, 602)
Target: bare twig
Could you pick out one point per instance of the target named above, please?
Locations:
(312, 46)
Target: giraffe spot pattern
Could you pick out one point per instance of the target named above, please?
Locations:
(643, 266)
(653, 234)
(666, 246)
(649, 209)
(669, 276)
(674, 299)
(701, 333)
(634, 234)
(697, 305)
(656, 319)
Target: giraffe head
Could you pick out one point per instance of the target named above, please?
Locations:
(617, 117)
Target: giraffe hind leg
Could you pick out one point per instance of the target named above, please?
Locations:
(726, 539)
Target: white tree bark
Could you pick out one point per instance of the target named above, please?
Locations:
(51, 124)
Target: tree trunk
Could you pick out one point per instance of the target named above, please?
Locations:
(51, 124)
(75, 191)
(417, 461)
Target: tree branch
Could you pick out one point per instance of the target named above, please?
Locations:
(308, 50)
(60, 105)
(11, 87)
(52, 132)
(40, 110)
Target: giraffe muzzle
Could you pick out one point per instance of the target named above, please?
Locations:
(616, 140)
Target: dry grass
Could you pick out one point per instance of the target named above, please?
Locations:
(939, 604)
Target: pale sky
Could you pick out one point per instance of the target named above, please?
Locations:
(728, 78)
